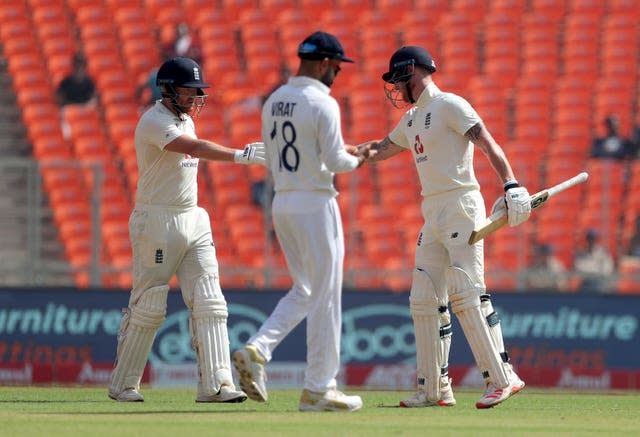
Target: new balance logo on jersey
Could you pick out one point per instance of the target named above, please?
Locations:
(159, 256)
(427, 121)
(454, 235)
(410, 123)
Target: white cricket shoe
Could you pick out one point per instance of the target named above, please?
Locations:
(227, 394)
(250, 367)
(331, 400)
(494, 395)
(127, 395)
(419, 399)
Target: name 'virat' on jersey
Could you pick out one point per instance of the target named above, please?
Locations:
(434, 131)
(303, 137)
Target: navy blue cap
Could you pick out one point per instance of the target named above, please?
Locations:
(182, 72)
(409, 55)
(320, 45)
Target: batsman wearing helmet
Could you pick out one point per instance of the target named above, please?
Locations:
(171, 235)
(440, 130)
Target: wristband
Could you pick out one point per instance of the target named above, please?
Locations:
(510, 184)
(237, 155)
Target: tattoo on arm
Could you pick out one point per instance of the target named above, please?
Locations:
(383, 145)
(474, 132)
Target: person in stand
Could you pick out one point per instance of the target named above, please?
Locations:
(440, 130)
(634, 243)
(170, 234)
(185, 44)
(546, 272)
(78, 87)
(594, 265)
(612, 145)
(304, 145)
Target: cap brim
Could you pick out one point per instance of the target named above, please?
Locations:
(387, 76)
(345, 59)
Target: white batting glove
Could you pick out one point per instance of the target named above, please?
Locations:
(253, 153)
(499, 205)
(518, 205)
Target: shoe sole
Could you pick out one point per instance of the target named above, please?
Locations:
(514, 390)
(115, 398)
(312, 408)
(236, 400)
(438, 404)
(247, 383)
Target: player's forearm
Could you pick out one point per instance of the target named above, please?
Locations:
(212, 151)
(383, 149)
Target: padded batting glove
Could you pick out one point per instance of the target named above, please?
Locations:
(253, 153)
(518, 205)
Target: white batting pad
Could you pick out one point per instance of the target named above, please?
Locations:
(465, 303)
(428, 351)
(433, 335)
(487, 357)
(210, 338)
(493, 321)
(137, 331)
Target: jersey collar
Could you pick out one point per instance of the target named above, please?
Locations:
(428, 94)
(299, 81)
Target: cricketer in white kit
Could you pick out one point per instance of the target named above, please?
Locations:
(304, 149)
(440, 129)
(171, 235)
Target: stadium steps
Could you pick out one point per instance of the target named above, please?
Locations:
(13, 224)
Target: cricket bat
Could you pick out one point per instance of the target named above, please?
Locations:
(498, 219)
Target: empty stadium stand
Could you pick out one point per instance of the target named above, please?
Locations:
(542, 74)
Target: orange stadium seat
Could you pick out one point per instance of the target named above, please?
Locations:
(45, 111)
(97, 31)
(20, 46)
(16, 28)
(44, 128)
(53, 12)
(398, 274)
(355, 7)
(234, 8)
(275, 7)
(553, 9)
(165, 11)
(626, 7)
(53, 30)
(90, 14)
(67, 193)
(594, 8)
(72, 210)
(51, 147)
(56, 177)
(312, 8)
(11, 11)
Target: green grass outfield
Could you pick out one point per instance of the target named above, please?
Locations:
(87, 412)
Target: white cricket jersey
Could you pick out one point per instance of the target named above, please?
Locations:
(303, 137)
(164, 178)
(434, 131)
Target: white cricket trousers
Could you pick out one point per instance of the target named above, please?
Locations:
(309, 228)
